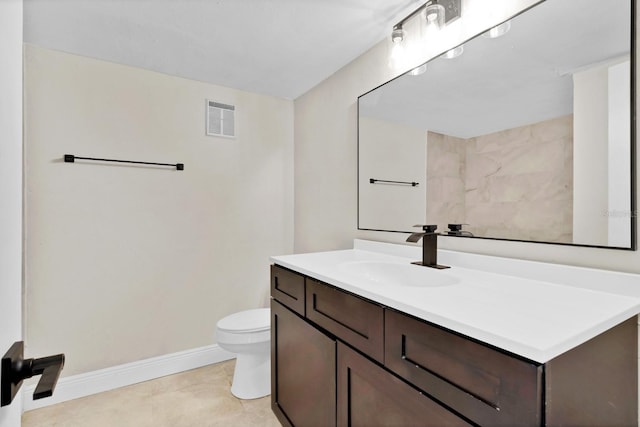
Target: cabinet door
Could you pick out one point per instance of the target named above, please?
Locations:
(303, 371)
(350, 318)
(369, 396)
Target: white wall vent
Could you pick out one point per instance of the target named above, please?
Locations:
(221, 119)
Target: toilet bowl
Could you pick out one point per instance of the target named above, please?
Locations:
(248, 334)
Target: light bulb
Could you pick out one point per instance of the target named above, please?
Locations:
(434, 16)
(454, 53)
(418, 70)
(498, 30)
(398, 34)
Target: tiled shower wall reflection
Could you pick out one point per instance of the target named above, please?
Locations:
(446, 164)
(514, 184)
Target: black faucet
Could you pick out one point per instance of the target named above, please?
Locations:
(429, 246)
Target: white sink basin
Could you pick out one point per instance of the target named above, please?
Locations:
(397, 274)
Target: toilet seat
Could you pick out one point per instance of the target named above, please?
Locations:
(245, 322)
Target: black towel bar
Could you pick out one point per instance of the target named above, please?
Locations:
(70, 158)
(374, 181)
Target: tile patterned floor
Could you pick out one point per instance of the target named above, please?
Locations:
(198, 398)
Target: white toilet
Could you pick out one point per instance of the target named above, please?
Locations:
(248, 334)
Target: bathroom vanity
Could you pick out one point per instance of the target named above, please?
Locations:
(364, 338)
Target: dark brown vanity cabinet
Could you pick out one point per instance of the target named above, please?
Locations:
(318, 380)
(303, 361)
(339, 359)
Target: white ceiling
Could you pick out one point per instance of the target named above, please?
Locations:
(275, 47)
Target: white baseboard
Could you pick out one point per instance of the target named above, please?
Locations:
(107, 379)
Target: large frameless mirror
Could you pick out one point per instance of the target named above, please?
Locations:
(527, 136)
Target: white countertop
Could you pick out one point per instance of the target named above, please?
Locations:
(535, 318)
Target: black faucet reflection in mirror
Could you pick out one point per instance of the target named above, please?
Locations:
(429, 246)
(456, 230)
(15, 369)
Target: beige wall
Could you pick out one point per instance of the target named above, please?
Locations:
(125, 263)
(393, 152)
(325, 209)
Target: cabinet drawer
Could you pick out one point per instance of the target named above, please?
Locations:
(288, 288)
(350, 318)
(483, 384)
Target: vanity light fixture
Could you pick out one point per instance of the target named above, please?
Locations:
(453, 53)
(498, 30)
(436, 14)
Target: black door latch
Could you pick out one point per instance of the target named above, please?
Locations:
(15, 369)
